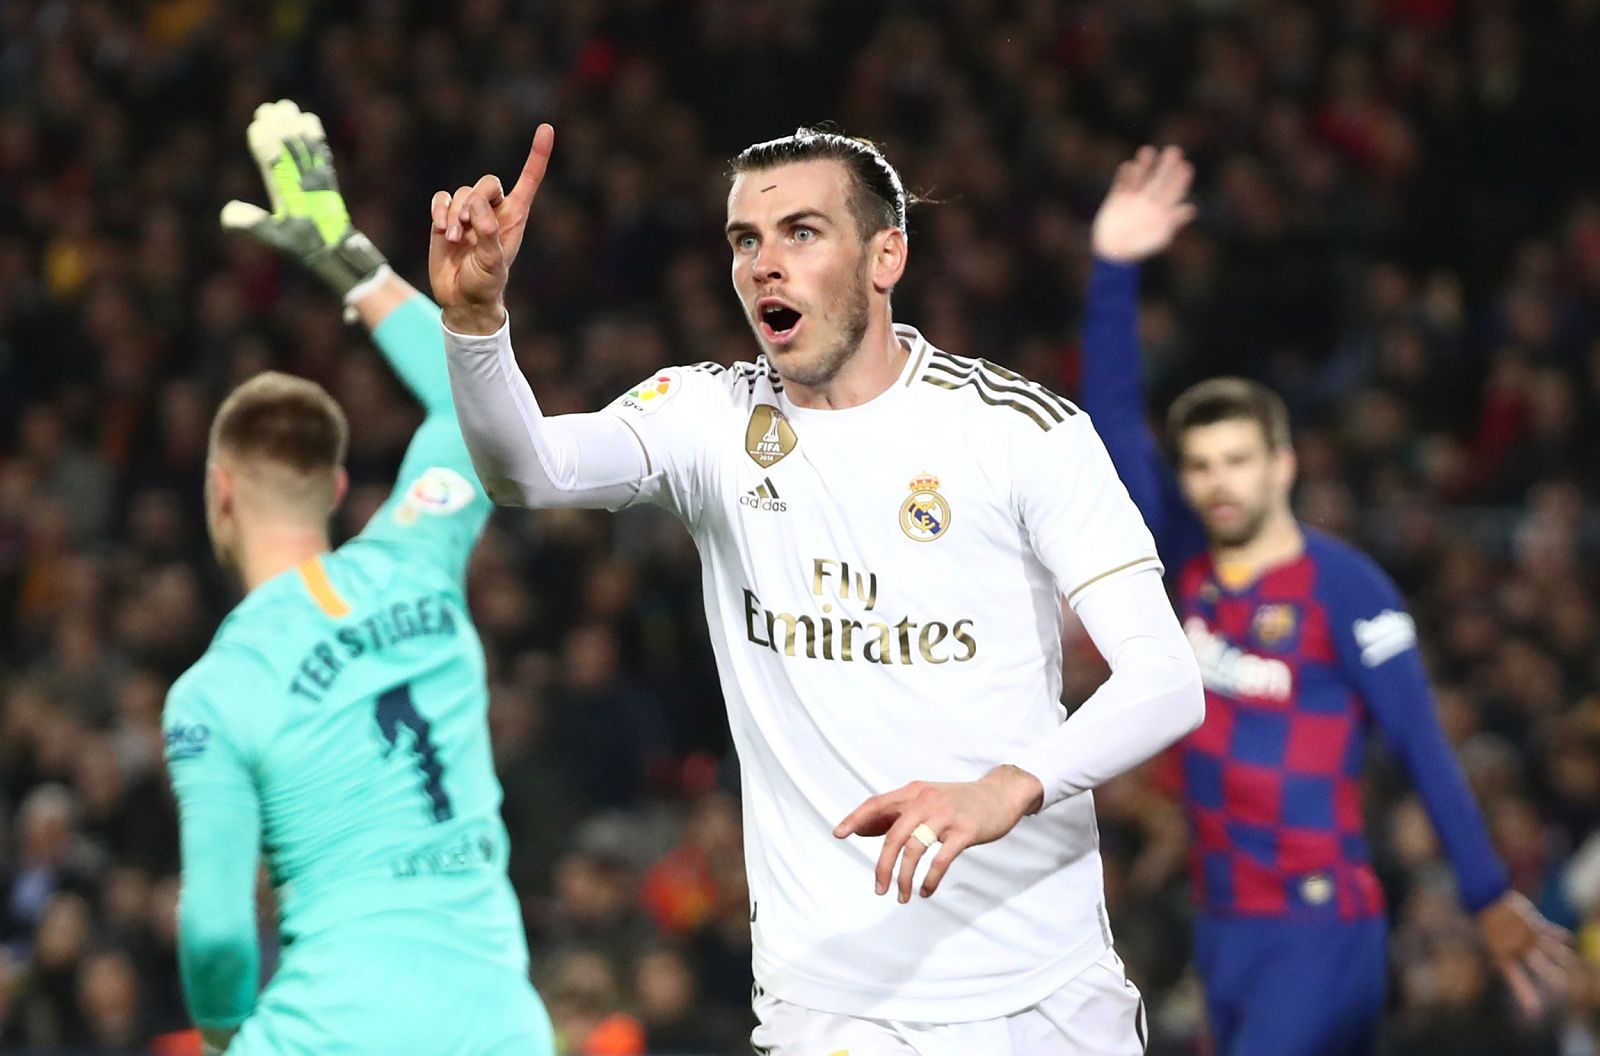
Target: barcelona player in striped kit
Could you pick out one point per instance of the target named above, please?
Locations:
(1304, 645)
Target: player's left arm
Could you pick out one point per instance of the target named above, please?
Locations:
(219, 818)
(1087, 531)
(1376, 643)
(1139, 219)
(439, 507)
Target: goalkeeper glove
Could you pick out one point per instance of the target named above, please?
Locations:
(309, 220)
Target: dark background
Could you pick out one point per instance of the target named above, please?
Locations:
(1399, 230)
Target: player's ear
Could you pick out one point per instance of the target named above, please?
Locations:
(219, 482)
(887, 250)
(341, 486)
(1284, 467)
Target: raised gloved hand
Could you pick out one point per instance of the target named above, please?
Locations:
(308, 220)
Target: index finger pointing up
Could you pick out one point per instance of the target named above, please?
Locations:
(533, 169)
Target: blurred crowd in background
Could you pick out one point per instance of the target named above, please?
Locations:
(1399, 230)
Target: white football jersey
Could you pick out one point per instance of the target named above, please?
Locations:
(883, 586)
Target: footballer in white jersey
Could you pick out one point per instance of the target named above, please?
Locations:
(886, 532)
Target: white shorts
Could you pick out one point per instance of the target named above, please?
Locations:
(1098, 1013)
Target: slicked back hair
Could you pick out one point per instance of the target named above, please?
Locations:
(877, 196)
(1230, 400)
(283, 420)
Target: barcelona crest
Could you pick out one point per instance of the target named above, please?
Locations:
(924, 514)
(1273, 624)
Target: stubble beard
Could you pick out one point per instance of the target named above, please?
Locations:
(1246, 533)
(852, 310)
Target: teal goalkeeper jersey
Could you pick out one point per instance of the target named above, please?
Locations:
(338, 722)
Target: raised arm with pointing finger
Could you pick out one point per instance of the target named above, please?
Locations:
(522, 457)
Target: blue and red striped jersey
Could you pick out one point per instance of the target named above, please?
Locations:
(1299, 665)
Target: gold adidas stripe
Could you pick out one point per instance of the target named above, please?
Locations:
(978, 376)
(1015, 405)
(1043, 392)
(916, 368)
(995, 377)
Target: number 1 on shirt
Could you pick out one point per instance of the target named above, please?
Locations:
(396, 709)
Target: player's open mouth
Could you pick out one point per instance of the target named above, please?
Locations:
(778, 321)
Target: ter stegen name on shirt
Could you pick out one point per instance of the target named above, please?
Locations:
(425, 616)
(827, 637)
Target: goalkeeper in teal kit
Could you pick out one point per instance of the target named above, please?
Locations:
(337, 726)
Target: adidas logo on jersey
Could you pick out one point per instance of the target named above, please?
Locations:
(764, 497)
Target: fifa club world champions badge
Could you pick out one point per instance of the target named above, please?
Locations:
(769, 436)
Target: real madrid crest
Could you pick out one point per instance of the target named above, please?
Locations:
(769, 436)
(924, 514)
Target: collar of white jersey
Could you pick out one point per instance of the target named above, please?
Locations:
(917, 349)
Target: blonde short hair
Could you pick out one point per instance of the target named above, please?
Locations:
(284, 420)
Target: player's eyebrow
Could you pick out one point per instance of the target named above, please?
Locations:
(739, 227)
(803, 214)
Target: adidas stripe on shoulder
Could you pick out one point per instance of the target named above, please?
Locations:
(998, 387)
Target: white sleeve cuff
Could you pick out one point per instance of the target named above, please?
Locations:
(477, 343)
